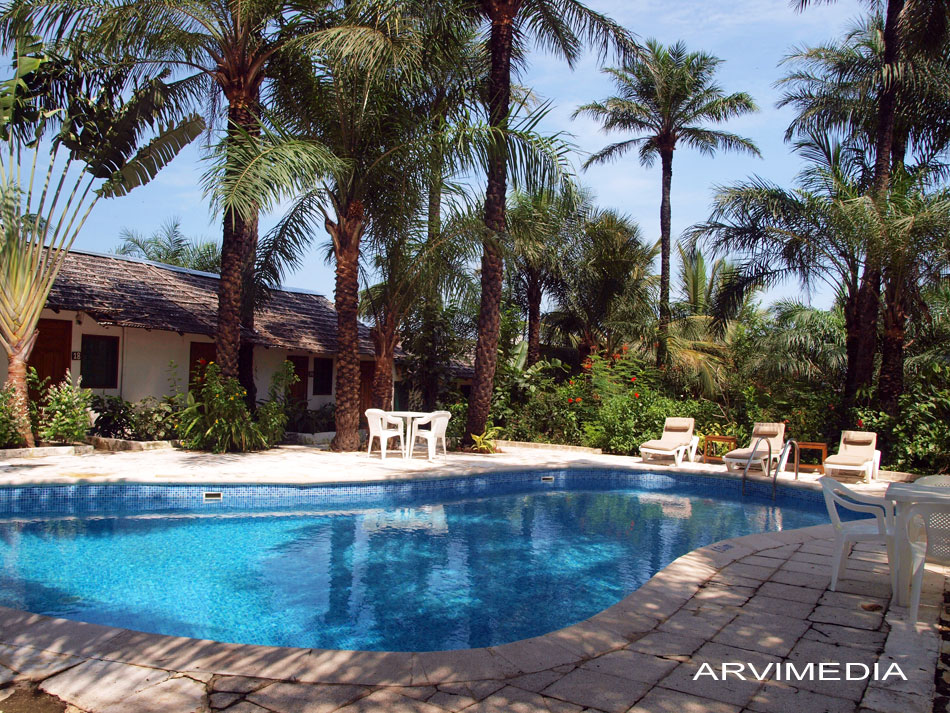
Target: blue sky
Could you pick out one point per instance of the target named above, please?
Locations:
(751, 36)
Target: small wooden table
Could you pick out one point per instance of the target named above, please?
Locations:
(716, 439)
(811, 467)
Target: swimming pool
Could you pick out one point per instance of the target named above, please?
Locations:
(411, 566)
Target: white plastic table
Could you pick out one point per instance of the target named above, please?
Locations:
(410, 418)
(904, 495)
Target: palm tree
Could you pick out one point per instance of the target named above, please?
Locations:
(668, 96)
(560, 26)
(228, 50)
(538, 228)
(805, 234)
(854, 87)
(603, 294)
(97, 136)
(170, 246)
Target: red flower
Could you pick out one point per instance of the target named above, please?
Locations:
(571, 382)
(570, 400)
(625, 348)
(202, 362)
(578, 399)
(860, 423)
(632, 379)
(636, 395)
(831, 406)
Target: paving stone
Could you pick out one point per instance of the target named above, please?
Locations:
(665, 643)
(760, 560)
(812, 652)
(478, 689)
(731, 690)
(812, 557)
(664, 700)
(535, 682)
(463, 665)
(97, 685)
(536, 654)
(203, 676)
(779, 698)
(6, 675)
(856, 618)
(632, 665)
(388, 701)
(884, 701)
(778, 590)
(223, 700)
(822, 570)
(730, 579)
(801, 579)
(718, 594)
(517, 700)
(597, 690)
(758, 631)
(697, 623)
(878, 587)
(846, 636)
(783, 607)
(851, 601)
(238, 684)
(749, 571)
(422, 693)
(450, 701)
(245, 707)
(306, 697)
(34, 664)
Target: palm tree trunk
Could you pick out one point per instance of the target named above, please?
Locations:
(489, 315)
(238, 235)
(248, 298)
(431, 299)
(16, 377)
(666, 159)
(887, 102)
(534, 320)
(384, 344)
(891, 381)
(346, 235)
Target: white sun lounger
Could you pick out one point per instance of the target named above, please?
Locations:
(677, 440)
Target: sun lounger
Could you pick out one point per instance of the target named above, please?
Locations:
(773, 434)
(677, 440)
(856, 454)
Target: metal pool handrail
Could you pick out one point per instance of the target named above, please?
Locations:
(755, 448)
(782, 459)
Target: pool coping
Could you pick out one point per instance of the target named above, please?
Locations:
(609, 630)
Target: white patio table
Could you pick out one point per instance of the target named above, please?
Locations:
(904, 495)
(410, 417)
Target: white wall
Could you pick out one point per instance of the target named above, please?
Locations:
(146, 356)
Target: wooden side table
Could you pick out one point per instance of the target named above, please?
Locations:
(811, 467)
(716, 439)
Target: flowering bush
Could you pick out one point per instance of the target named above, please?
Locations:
(9, 433)
(215, 417)
(64, 413)
(273, 414)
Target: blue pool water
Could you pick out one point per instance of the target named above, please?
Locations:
(407, 567)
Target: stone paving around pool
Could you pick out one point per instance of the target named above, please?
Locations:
(757, 600)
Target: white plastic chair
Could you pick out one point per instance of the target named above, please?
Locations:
(880, 529)
(377, 419)
(934, 481)
(438, 421)
(676, 442)
(928, 532)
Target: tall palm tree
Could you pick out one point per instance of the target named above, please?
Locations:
(170, 246)
(97, 136)
(557, 25)
(228, 48)
(854, 86)
(668, 96)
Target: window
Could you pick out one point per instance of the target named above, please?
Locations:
(100, 362)
(322, 377)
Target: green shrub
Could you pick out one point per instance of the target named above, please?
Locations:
(9, 433)
(215, 417)
(114, 419)
(154, 419)
(273, 414)
(64, 414)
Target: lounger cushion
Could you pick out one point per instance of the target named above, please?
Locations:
(665, 444)
(744, 453)
(840, 459)
(859, 441)
(765, 433)
(678, 427)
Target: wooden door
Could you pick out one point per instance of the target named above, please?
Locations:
(200, 354)
(367, 369)
(51, 353)
(298, 392)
